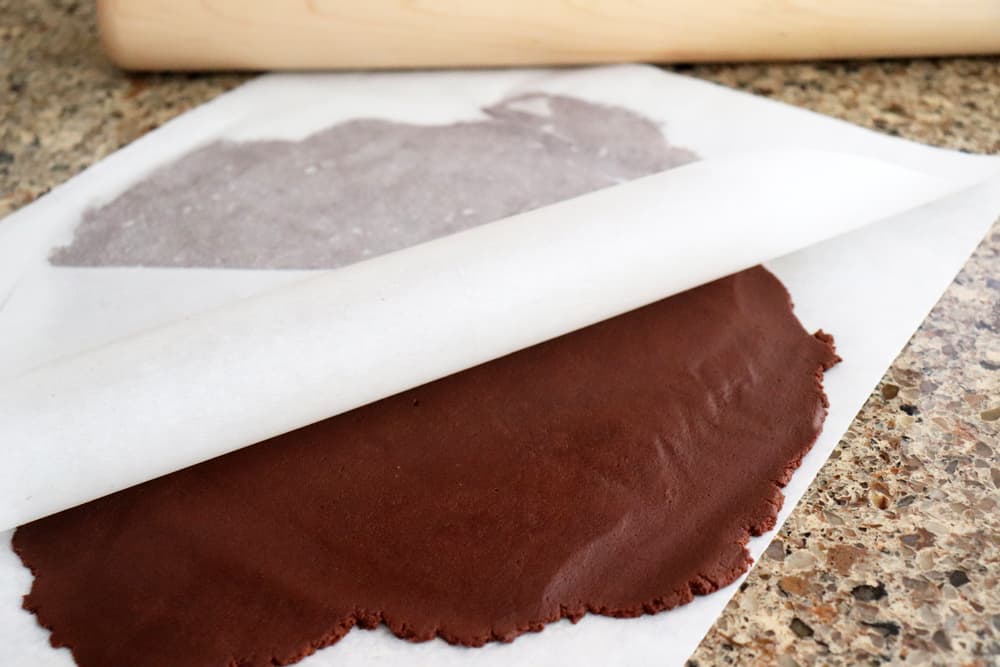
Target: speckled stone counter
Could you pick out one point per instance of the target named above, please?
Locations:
(893, 556)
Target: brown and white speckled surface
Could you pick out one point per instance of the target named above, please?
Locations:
(893, 556)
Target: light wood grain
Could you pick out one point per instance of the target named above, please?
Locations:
(307, 34)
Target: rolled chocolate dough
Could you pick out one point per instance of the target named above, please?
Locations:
(616, 470)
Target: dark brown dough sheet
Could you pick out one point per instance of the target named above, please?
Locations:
(617, 470)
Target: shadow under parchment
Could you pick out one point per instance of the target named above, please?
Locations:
(366, 187)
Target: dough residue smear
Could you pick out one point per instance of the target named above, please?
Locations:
(280, 204)
(616, 470)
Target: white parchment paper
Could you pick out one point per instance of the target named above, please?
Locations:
(110, 376)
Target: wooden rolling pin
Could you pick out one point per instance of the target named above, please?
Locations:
(308, 34)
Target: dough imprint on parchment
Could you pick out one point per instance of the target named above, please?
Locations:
(366, 187)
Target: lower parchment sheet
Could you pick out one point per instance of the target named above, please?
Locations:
(839, 285)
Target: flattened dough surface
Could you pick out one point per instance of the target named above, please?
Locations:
(617, 470)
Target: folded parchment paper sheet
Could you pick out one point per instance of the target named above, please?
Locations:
(125, 356)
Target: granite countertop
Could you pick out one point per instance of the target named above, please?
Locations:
(894, 553)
